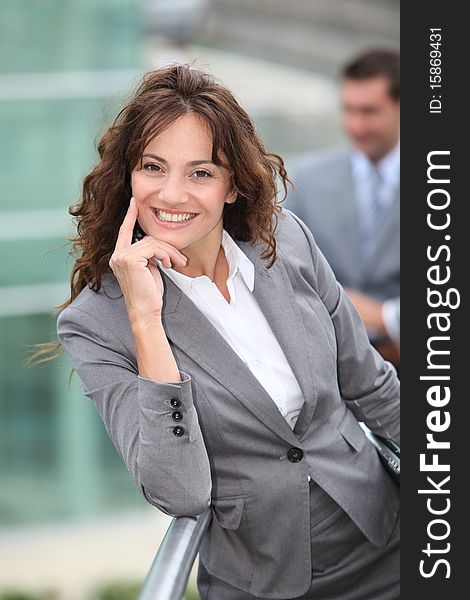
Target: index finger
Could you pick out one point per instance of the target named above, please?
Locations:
(126, 230)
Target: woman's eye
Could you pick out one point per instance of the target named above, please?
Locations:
(203, 174)
(152, 167)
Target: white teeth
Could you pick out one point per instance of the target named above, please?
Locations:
(163, 216)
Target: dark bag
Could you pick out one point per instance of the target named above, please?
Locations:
(389, 452)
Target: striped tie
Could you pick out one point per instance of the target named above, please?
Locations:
(371, 211)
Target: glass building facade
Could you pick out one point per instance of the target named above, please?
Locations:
(63, 65)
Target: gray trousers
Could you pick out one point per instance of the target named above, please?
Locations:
(345, 565)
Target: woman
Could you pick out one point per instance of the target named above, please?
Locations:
(229, 367)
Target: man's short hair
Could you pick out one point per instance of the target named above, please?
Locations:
(375, 63)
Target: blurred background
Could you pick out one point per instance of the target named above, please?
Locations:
(72, 525)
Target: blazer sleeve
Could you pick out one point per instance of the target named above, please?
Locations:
(368, 384)
(171, 472)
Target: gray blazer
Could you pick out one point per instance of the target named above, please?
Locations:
(234, 450)
(324, 200)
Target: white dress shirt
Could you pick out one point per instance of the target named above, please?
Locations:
(244, 326)
(391, 318)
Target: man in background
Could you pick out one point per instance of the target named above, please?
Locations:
(349, 196)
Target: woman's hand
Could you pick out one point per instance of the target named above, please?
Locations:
(138, 276)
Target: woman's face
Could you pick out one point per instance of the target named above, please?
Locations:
(180, 192)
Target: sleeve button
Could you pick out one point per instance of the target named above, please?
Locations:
(175, 402)
(178, 430)
(177, 415)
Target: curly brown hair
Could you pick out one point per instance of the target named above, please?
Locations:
(163, 96)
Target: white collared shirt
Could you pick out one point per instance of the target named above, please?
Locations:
(244, 326)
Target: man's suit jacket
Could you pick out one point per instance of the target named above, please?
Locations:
(234, 451)
(324, 199)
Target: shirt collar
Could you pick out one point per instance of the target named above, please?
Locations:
(388, 167)
(237, 261)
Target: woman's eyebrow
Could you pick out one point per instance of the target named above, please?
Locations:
(191, 163)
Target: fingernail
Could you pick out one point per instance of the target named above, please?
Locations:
(132, 200)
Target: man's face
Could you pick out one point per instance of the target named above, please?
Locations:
(370, 116)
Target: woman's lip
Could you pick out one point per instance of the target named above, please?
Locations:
(172, 224)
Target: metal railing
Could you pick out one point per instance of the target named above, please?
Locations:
(169, 574)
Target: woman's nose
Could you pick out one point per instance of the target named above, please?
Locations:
(172, 190)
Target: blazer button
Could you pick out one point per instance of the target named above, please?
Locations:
(175, 402)
(178, 430)
(295, 454)
(177, 415)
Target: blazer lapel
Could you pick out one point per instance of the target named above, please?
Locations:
(194, 334)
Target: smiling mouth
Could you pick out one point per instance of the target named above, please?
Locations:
(173, 217)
